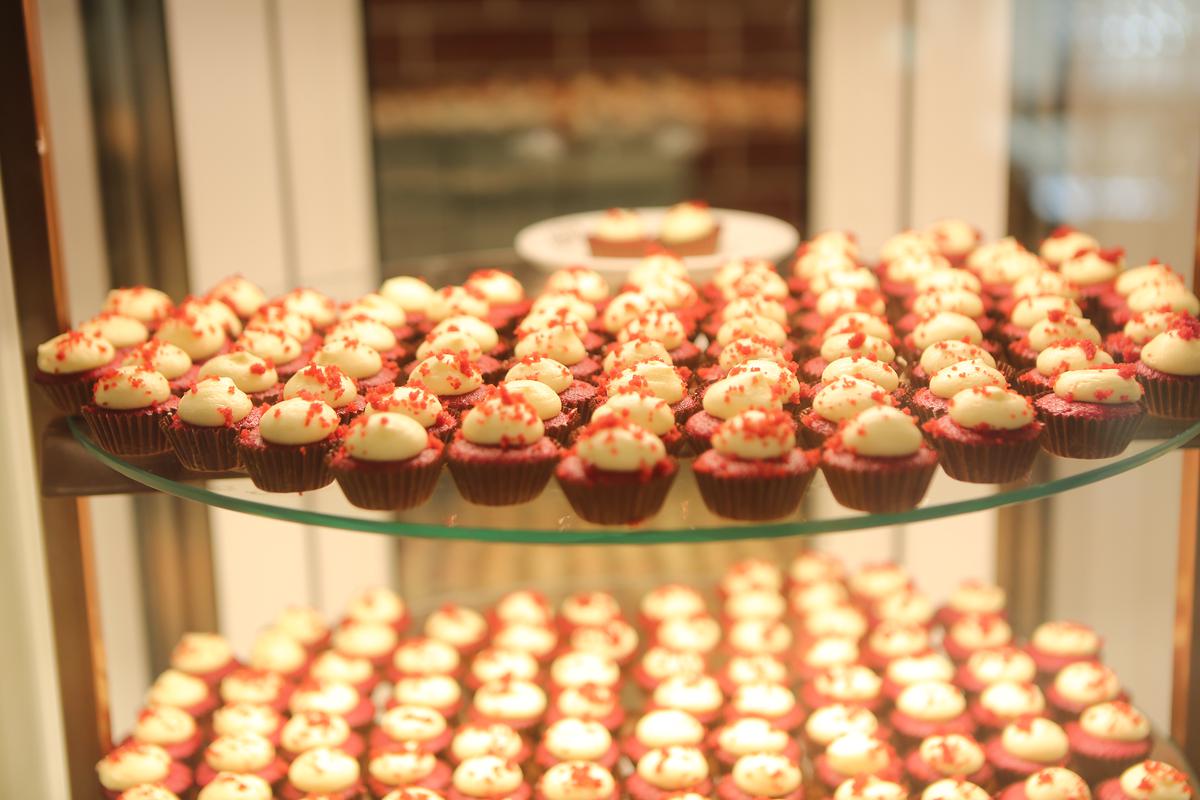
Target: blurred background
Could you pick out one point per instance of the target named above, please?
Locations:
(334, 143)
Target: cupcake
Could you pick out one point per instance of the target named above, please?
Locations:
(1080, 685)
(522, 607)
(180, 690)
(772, 702)
(1026, 747)
(659, 663)
(850, 685)
(1060, 357)
(134, 764)
(332, 698)
(487, 739)
(588, 609)
(148, 306)
(1004, 270)
(940, 355)
(286, 451)
(617, 473)
(1004, 702)
(127, 409)
(427, 656)
(640, 407)
(416, 403)
(488, 778)
(412, 295)
(989, 435)
(576, 780)
(215, 311)
(377, 308)
(1057, 326)
(454, 337)
(328, 385)
(559, 341)
(495, 663)
(204, 428)
(1028, 311)
(748, 326)
(846, 345)
(1162, 296)
(172, 729)
(504, 295)
(325, 772)
(665, 771)
(759, 775)
(575, 395)
(501, 456)
(943, 757)
(837, 401)
(933, 401)
(930, 708)
(274, 651)
(571, 739)
(314, 306)
(239, 718)
(690, 229)
(698, 695)
(274, 317)
(243, 754)
(1052, 783)
(954, 238)
(333, 666)
(227, 785)
(462, 628)
(891, 640)
(1146, 780)
(729, 397)
(198, 335)
(878, 462)
(869, 787)
(747, 736)
(973, 632)
(618, 233)
(123, 333)
(1065, 242)
(972, 596)
(405, 767)
(380, 605)
(666, 727)
(69, 366)
(666, 328)
(1153, 273)
(1092, 413)
(855, 755)
(993, 665)
(1169, 371)
(558, 422)
(1125, 345)
(453, 379)
(827, 723)
(660, 379)
(874, 581)
(442, 693)
(817, 654)
(1108, 739)
(243, 296)
(586, 284)
(516, 703)
(908, 606)
(574, 668)
(670, 601)
(1093, 271)
(358, 361)
(1057, 643)
(754, 470)
(387, 461)
(955, 300)
(413, 793)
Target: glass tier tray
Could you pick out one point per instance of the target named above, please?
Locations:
(550, 519)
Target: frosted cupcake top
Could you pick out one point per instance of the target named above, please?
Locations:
(577, 780)
(324, 770)
(991, 408)
(1112, 385)
(1154, 780)
(766, 775)
(1176, 351)
(142, 303)
(487, 776)
(408, 293)
(673, 768)
(1056, 783)
(1035, 739)
(881, 432)
(249, 372)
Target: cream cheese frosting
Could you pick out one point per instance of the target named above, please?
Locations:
(828, 722)
(368, 332)
(238, 718)
(577, 667)
(495, 663)
(588, 284)
(542, 369)
(1092, 267)
(673, 768)
(1175, 351)
(667, 727)
(329, 696)
(1035, 739)
(695, 694)
(143, 303)
(848, 683)
(1056, 783)
(965, 375)
(881, 432)
(274, 315)
(838, 300)
(73, 352)
(686, 222)
(354, 358)
(634, 351)
(408, 293)
(213, 402)
(1065, 638)
(1151, 273)
(456, 625)
(497, 287)
(455, 342)
(912, 669)
(402, 766)
(577, 740)
(976, 597)
(411, 401)
(232, 786)
(298, 421)
(755, 604)
(446, 374)
(943, 354)
(763, 699)
(432, 691)
(276, 651)
(1087, 683)
(867, 368)
(952, 754)
(495, 739)
(954, 789)
(1070, 355)
(577, 780)
(991, 408)
(200, 653)
(1115, 720)
(894, 639)
(243, 752)
(127, 388)
(942, 279)
(328, 385)
(944, 326)
(249, 372)
(869, 787)
(312, 305)
(856, 753)
(732, 395)
(977, 631)
(1163, 297)
(860, 321)
(432, 656)
(639, 408)
(662, 662)
(1144, 326)
(1064, 242)
(118, 330)
(625, 308)
(196, 335)
(375, 307)
(841, 345)
(1056, 327)
(510, 699)
(163, 725)
(846, 397)
(699, 634)
(132, 764)
(385, 437)
(562, 304)
(858, 279)
(756, 435)
(766, 775)
(175, 688)
(324, 770)
(935, 701)
(273, 343)
(1045, 282)
(673, 292)
(453, 301)
(1107, 386)
(556, 341)
(959, 301)
(659, 325)
(1012, 699)
(746, 326)
(1029, 310)
(751, 735)
(1155, 780)
(619, 446)
(541, 397)
(487, 776)
(750, 348)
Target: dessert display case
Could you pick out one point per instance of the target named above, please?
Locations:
(523, 616)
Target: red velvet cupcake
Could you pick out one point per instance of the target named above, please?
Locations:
(617, 473)
(1060, 357)
(69, 365)
(690, 229)
(387, 461)
(616, 640)
(1063, 243)
(1052, 783)
(172, 729)
(1169, 371)
(442, 693)
(763, 775)
(773, 702)
(324, 771)
(274, 344)
(488, 778)
(374, 640)
(698, 695)
(333, 698)
(989, 435)
(891, 640)
(827, 723)
(1057, 326)
(940, 355)
(749, 735)
(972, 596)
(577, 780)
(1093, 270)
(877, 462)
(122, 332)
(501, 456)
(640, 407)
(570, 739)
(1030, 310)
(516, 703)
(405, 766)
(127, 409)
(1125, 345)
(244, 754)
(754, 471)
(870, 787)
(619, 233)
(504, 294)
(855, 755)
(974, 632)
(465, 338)
(135, 764)
(195, 332)
(167, 360)
(412, 295)
(464, 629)
(588, 609)
(488, 739)
(729, 397)
(948, 756)
(453, 379)
(664, 771)
(1108, 739)
(1093, 413)
(954, 789)
(933, 401)
(1147, 779)
(668, 329)
(424, 728)
(664, 727)
(1080, 685)
(561, 341)
(837, 401)
(287, 450)
(205, 427)
(1026, 747)
(851, 684)
(1058, 643)
(930, 708)
(416, 403)
(308, 730)
(1005, 702)
(522, 607)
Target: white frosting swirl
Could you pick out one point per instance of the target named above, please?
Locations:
(944, 326)
(409, 293)
(353, 357)
(641, 409)
(273, 343)
(1056, 783)
(940, 355)
(686, 222)
(932, 701)
(324, 770)
(991, 408)
(375, 307)
(212, 402)
(827, 723)
(487, 776)
(117, 330)
(953, 789)
(766, 775)
(846, 397)
(497, 287)
(163, 725)
(446, 374)
(129, 388)
(140, 302)
(577, 780)
(1065, 638)
(572, 739)
(1175, 352)
(1069, 355)
(1055, 328)
(249, 372)
(298, 421)
(756, 435)
(325, 384)
(1154, 780)
(243, 752)
(197, 335)
(867, 368)
(742, 327)
(504, 420)
(1035, 739)
(556, 341)
(72, 352)
(454, 301)
(176, 688)
(857, 753)
(1107, 386)
(841, 345)
(619, 446)
(246, 718)
(1090, 268)
(965, 375)
(133, 764)
(411, 401)
(545, 402)
(1012, 699)
(1029, 310)
(882, 431)
(673, 768)
(634, 351)
(960, 301)
(1115, 721)
(588, 284)
(542, 369)
(734, 394)
(385, 437)
(232, 786)
(952, 754)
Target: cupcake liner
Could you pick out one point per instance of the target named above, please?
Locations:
(986, 462)
(1088, 437)
(1096, 767)
(126, 433)
(69, 396)
(618, 502)
(501, 481)
(203, 449)
(384, 487)
(1177, 398)
(879, 491)
(753, 498)
(287, 468)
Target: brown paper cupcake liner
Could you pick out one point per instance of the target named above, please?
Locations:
(287, 468)
(126, 434)
(621, 503)
(1095, 767)
(1088, 437)
(754, 498)
(501, 483)
(1172, 399)
(879, 491)
(70, 396)
(203, 449)
(389, 488)
(992, 462)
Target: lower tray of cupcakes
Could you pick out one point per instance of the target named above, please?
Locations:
(781, 682)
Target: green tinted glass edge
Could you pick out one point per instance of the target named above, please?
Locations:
(632, 535)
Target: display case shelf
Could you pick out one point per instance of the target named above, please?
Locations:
(550, 520)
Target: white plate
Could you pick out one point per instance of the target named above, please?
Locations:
(562, 241)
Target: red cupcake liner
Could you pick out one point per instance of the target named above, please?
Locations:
(506, 477)
(389, 485)
(130, 433)
(288, 468)
(995, 458)
(1078, 436)
(203, 449)
(615, 498)
(871, 485)
(752, 497)
(1170, 396)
